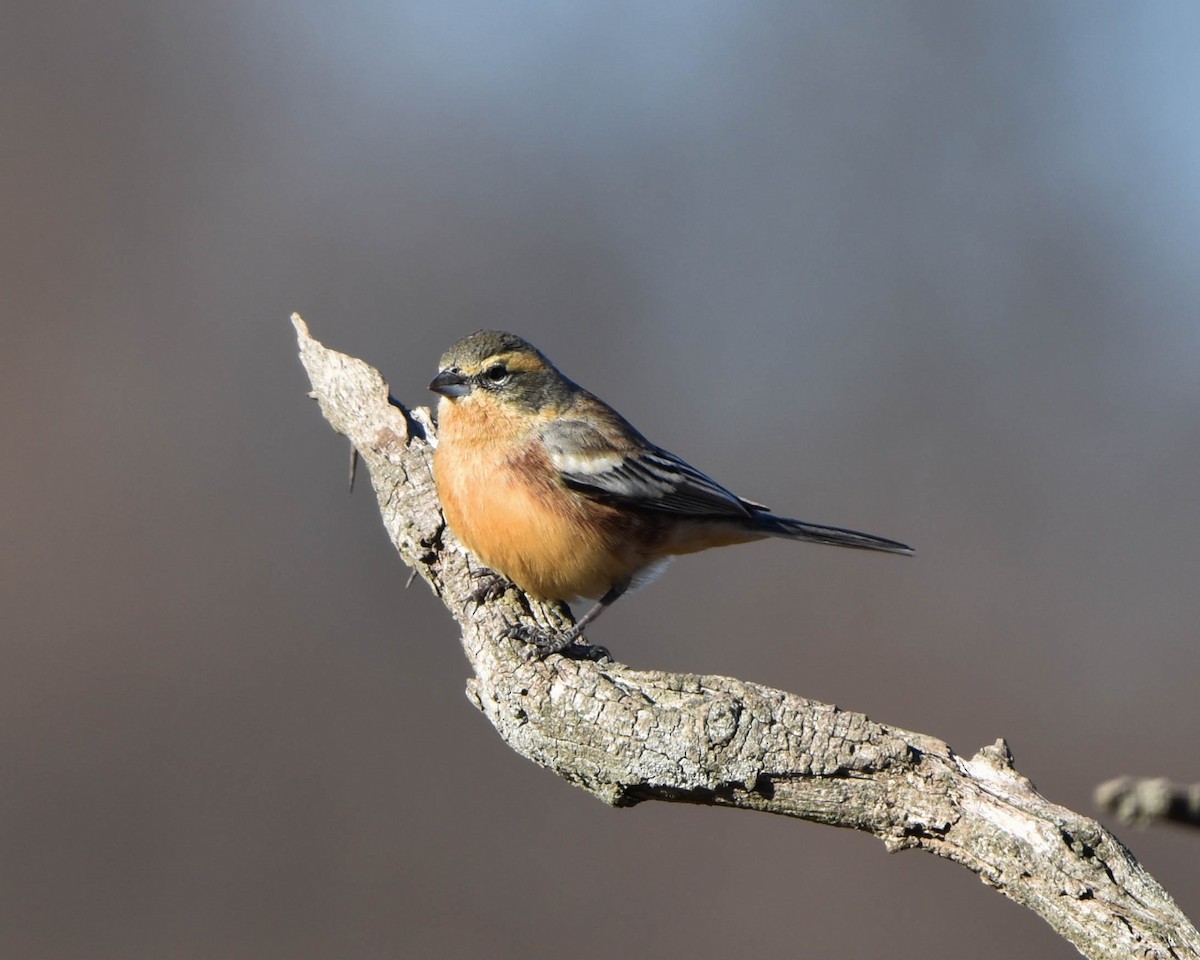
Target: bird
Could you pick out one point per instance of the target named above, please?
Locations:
(555, 491)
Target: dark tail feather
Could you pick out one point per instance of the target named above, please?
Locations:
(815, 533)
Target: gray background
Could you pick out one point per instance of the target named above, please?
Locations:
(926, 269)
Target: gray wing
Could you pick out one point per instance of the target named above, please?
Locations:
(643, 478)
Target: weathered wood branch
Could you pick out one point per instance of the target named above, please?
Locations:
(1145, 800)
(629, 735)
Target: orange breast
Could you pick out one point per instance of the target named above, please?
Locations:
(504, 501)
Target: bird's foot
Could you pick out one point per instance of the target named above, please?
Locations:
(491, 586)
(543, 643)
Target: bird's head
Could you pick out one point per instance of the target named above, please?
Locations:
(495, 367)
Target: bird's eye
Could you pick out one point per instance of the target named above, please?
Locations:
(497, 373)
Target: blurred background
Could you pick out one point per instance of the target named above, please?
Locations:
(923, 269)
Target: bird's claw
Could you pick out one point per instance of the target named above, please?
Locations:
(595, 653)
(542, 643)
(492, 586)
(539, 643)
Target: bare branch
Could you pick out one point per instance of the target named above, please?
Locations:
(1144, 800)
(629, 735)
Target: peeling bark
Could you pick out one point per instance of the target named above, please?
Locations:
(629, 735)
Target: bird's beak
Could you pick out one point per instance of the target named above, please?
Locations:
(450, 383)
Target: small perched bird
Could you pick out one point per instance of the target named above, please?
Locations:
(552, 488)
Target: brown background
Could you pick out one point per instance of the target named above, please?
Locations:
(927, 269)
